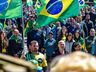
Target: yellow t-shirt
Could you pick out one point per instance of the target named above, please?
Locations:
(3, 50)
(41, 59)
(64, 38)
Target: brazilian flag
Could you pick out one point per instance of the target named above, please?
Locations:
(57, 9)
(40, 7)
(10, 9)
(82, 4)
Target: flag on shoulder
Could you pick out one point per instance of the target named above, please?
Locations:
(10, 9)
(57, 9)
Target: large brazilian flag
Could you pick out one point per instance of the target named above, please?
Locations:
(10, 9)
(57, 9)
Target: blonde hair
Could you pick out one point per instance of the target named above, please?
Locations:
(75, 62)
(61, 41)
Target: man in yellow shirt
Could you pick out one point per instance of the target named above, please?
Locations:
(33, 54)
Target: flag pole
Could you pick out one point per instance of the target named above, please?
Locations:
(23, 31)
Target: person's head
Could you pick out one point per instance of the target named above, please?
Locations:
(50, 35)
(82, 12)
(58, 24)
(77, 34)
(14, 27)
(74, 62)
(78, 26)
(31, 16)
(87, 17)
(61, 44)
(68, 21)
(64, 29)
(34, 46)
(78, 19)
(73, 22)
(9, 21)
(51, 25)
(15, 32)
(92, 10)
(2, 35)
(76, 46)
(92, 32)
(69, 37)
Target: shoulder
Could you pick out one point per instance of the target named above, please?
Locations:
(81, 39)
(12, 37)
(90, 21)
(53, 39)
(41, 55)
(86, 38)
(28, 53)
(66, 52)
(95, 37)
(83, 22)
(46, 40)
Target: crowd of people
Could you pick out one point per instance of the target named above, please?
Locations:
(43, 44)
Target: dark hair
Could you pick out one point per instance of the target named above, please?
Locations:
(6, 21)
(69, 34)
(75, 38)
(61, 34)
(51, 32)
(1, 33)
(75, 44)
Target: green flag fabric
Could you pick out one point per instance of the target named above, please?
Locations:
(73, 10)
(10, 9)
(40, 5)
(57, 9)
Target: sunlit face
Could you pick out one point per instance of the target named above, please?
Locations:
(9, 22)
(16, 32)
(61, 45)
(77, 34)
(78, 48)
(64, 29)
(77, 19)
(58, 24)
(3, 35)
(69, 38)
(34, 47)
(87, 16)
(78, 26)
(50, 36)
(92, 32)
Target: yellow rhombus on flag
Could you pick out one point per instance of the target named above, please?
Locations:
(57, 9)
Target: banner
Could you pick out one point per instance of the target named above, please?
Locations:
(10, 9)
(57, 9)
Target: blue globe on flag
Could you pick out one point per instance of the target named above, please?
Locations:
(54, 7)
(81, 2)
(3, 5)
